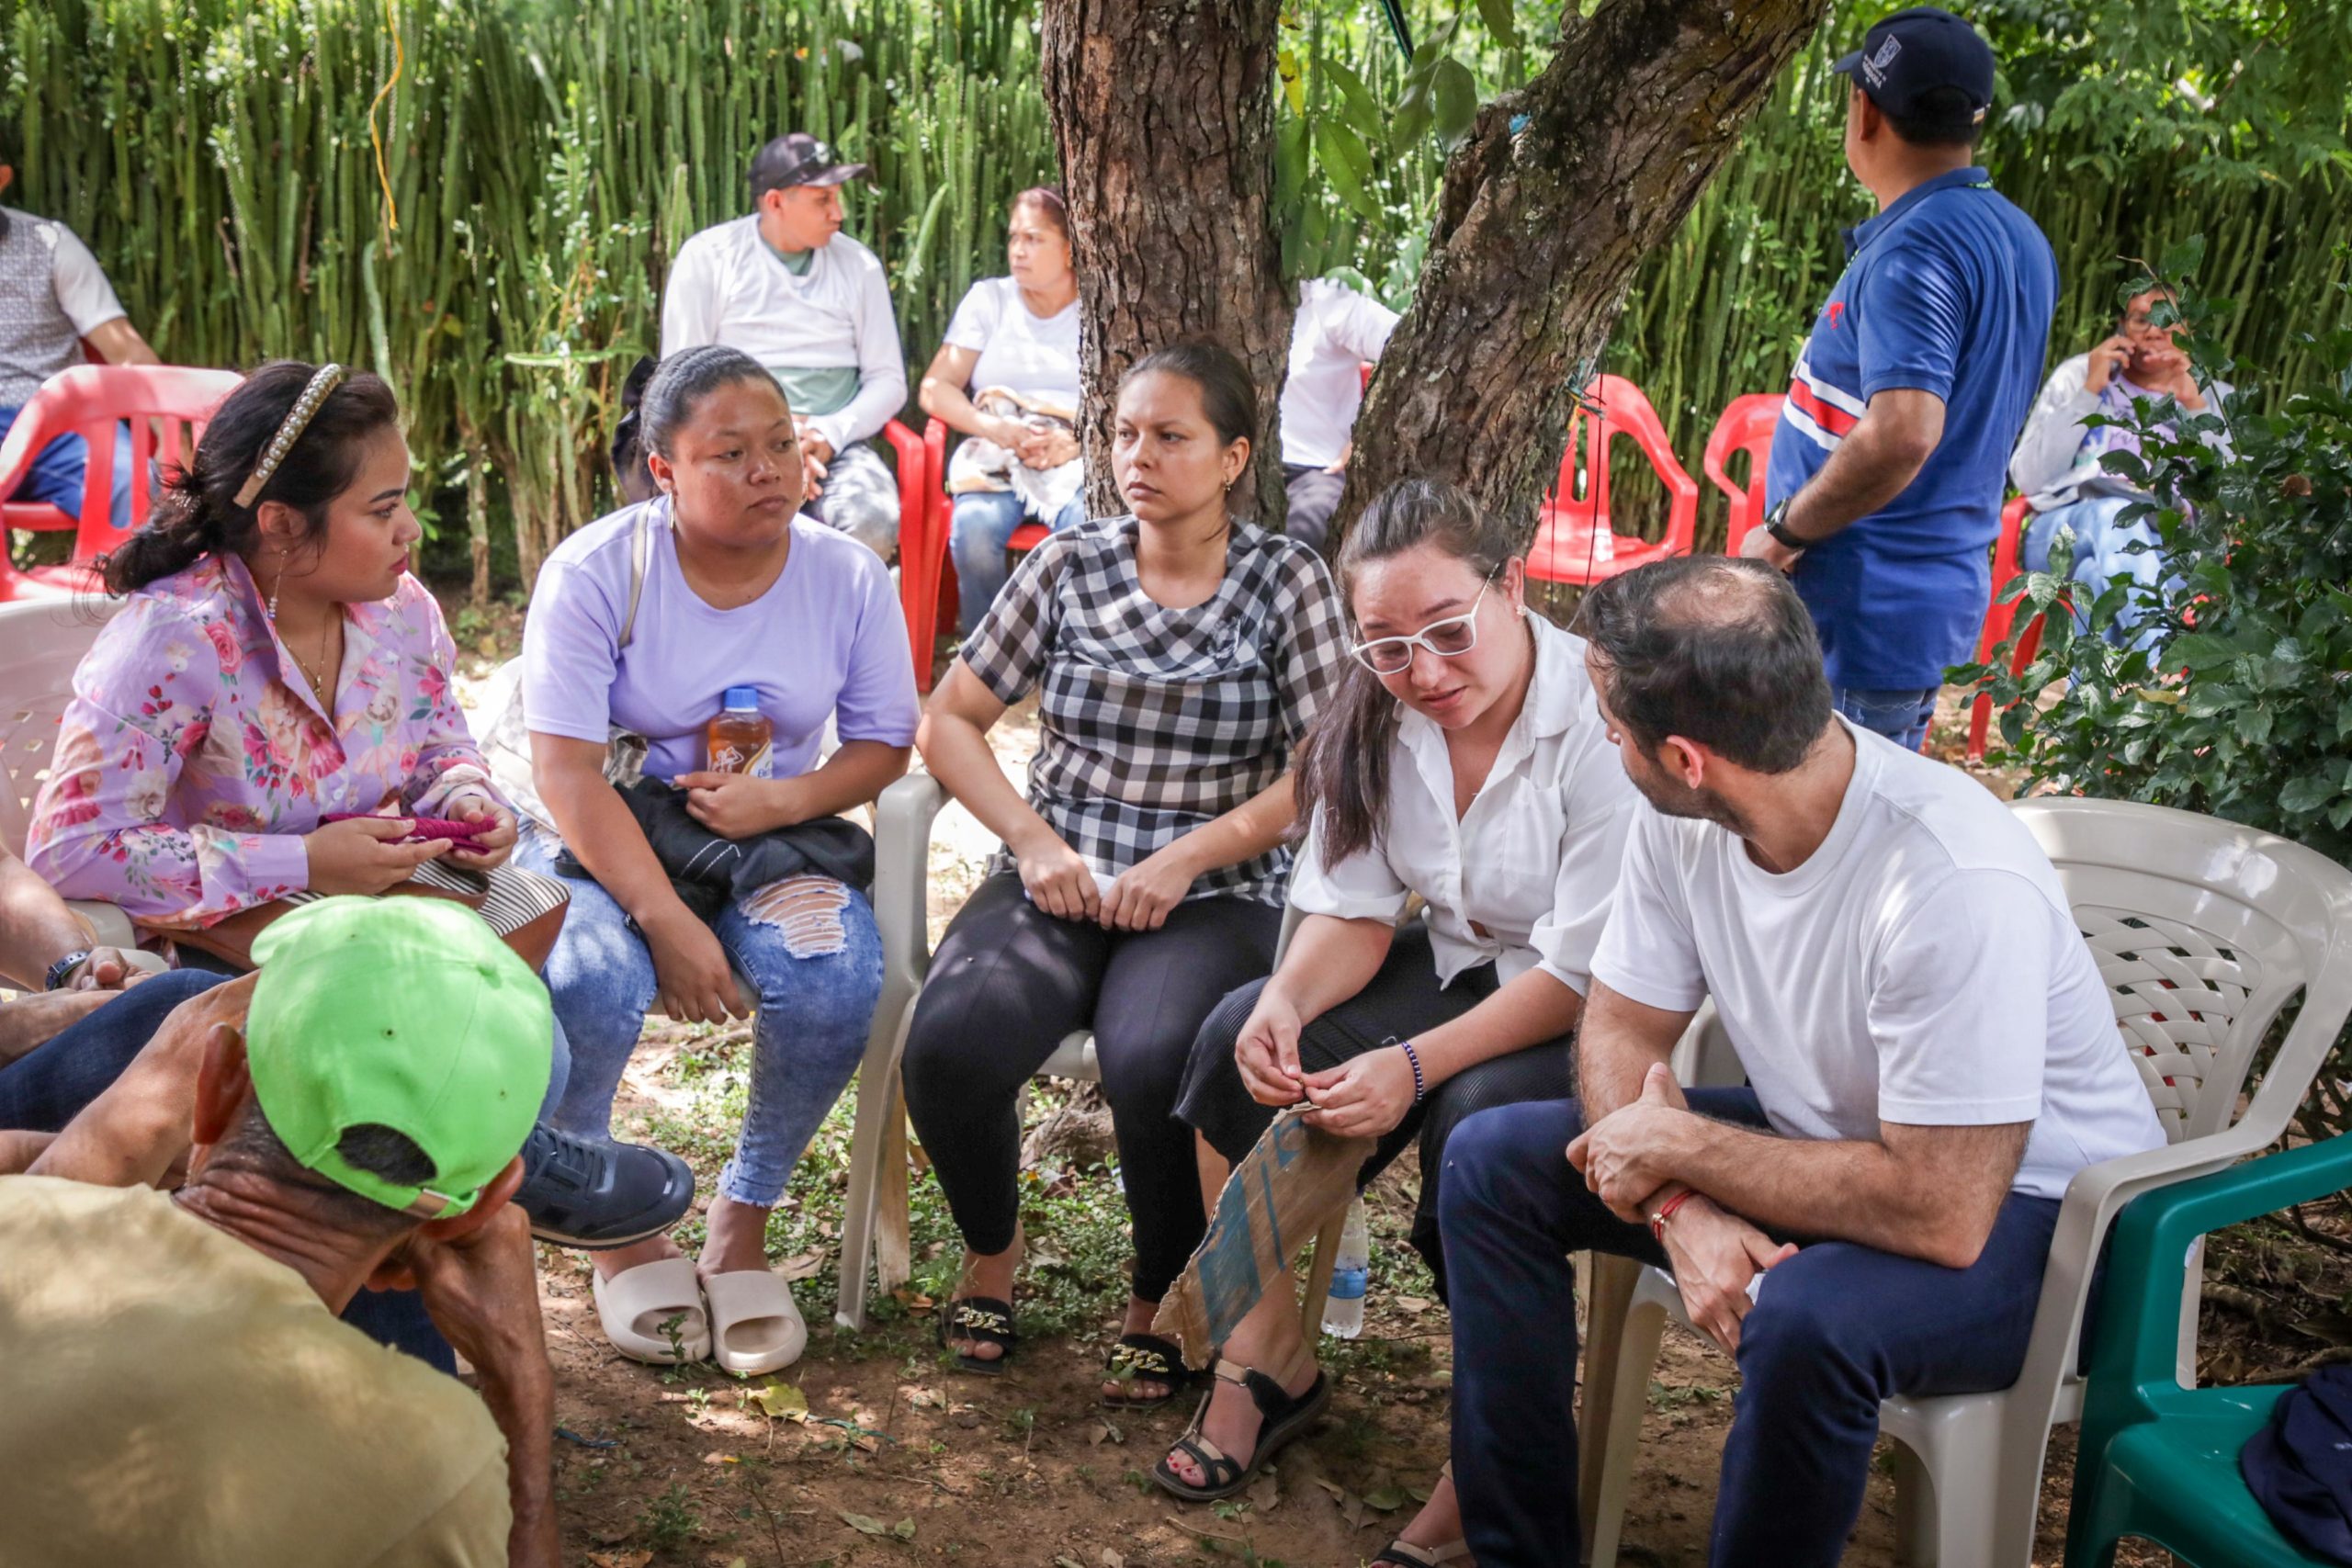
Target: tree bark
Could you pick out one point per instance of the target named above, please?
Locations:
(1538, 232)
(1163, 111)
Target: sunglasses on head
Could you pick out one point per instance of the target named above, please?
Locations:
(1449, 638)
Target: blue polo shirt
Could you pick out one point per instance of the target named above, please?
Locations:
(1948, 291)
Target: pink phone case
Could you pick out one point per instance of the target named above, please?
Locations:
(461, 835)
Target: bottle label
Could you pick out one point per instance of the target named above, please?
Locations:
(1348, 1284)
(731, 759)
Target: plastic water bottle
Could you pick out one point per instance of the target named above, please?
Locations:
(1351, 1274)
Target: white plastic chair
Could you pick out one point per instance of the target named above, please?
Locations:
(2203, 930)
(41, 641)
(878, 1160)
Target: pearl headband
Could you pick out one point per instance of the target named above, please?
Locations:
(324, 380)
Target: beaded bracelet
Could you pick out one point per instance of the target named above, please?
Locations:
(1419, 1086)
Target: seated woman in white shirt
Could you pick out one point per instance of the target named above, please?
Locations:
(1464, 759)
(1017, 334)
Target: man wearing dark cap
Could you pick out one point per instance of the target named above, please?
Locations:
(179, 1389)
(1883, 493)
(785, 286)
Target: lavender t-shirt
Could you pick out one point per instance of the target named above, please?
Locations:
(825, 639)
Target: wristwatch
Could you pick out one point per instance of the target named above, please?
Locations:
(1776, 523)
(61, 971)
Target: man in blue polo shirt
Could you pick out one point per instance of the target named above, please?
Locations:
(1883, 493)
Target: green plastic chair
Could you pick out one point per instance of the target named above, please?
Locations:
(2157, 1461)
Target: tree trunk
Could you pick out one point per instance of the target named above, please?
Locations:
(1163, 111)
(1538, 232)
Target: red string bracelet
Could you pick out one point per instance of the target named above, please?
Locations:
(1666, 1213)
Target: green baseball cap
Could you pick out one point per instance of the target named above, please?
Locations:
(403, 1012)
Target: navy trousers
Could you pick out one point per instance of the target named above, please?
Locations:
(1835, 1330)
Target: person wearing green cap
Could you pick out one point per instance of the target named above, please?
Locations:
(357, 1122)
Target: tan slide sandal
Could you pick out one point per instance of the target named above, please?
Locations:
(755, 1325)
(643, 1308)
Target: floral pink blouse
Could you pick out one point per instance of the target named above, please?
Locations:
(194, 755)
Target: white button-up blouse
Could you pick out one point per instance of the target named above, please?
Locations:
(1533, 862)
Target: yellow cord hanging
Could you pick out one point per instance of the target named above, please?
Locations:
(383, 176)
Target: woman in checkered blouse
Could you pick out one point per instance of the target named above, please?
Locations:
(1179, 654)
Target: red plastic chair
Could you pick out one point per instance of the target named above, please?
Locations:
(922, 552)
(88, 400)
(1746, 425)
(913, 464)
(1574, 542)
(1999, 618)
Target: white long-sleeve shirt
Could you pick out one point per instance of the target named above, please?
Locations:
(2055, 457)
(728, 287)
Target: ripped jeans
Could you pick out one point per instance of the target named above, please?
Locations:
(811, 952)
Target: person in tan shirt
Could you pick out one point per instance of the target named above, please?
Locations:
(178, 1391)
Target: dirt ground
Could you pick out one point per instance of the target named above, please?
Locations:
(871, 1452)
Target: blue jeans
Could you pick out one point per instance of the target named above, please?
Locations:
(817, 972)
(1835, 1330)
(2103, 551)
(61, 468)
(48, 1086)
(978, 537)
(1901, 716)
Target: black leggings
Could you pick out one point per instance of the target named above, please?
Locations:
(1402, 1000)
(1008, 983)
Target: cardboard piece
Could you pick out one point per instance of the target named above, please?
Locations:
(1277, 1198)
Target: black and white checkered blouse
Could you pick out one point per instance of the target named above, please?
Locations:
(1153, 721)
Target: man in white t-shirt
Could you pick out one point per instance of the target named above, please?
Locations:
(53, 299)
(1335, 335)
(786, 287)
(1931, 1057)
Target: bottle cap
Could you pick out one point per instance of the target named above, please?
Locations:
(741, 697)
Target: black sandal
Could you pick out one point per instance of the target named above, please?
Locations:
(984, 1320)
(1279, 1418)
(1146, 1356)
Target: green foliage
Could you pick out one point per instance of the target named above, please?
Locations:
(2120, 129)
(546, 160)
(2240, 706)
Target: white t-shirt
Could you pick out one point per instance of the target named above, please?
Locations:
(1921, 967)
(1336, 330)
(1034, 356)
(1534, 860)
(727, 287)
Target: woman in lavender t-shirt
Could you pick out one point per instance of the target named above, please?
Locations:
(737, 590)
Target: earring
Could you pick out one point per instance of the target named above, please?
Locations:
(279, 581)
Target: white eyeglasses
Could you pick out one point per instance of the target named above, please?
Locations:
(1449, 638)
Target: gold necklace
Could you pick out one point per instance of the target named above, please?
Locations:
(316, 675)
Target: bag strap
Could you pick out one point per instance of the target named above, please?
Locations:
(641, 550)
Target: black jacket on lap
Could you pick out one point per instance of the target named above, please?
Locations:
(707, 870)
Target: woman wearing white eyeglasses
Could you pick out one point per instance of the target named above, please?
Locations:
(1463, 760)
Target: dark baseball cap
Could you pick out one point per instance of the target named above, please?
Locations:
(798, 158)
(1916, 51)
